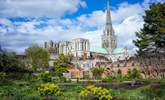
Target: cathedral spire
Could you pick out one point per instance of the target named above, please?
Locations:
(108, 5)
(109, 38)
(108, 26)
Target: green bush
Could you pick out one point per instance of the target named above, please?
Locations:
(27, 76)
(78, 88)
(30, 98)
(97, 72)
(10, 63)
(49, 89)
(117, 77)
(9, 92)
(62, 79)
(133, 74)
(95, 93)
(18, 76)
(19, 97)
(3, 76)
(45, 77)
(156, 90)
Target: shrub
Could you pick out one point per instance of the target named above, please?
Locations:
(97, 72)
(45, 76)
(78, 88)
(3, 76)
(62, 79)
(133, 74)
(23, 97)
(20, 97)
(18, 76)
(9, 62)
(95, 93)
(49, 89)
(156, 90)
(117, 77)
(27, 76)
(9, 92)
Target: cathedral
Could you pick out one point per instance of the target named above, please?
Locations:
(87, 56)
(109, 41)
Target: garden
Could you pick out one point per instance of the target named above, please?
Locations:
(28, 87)
(21, 82)
(31, 78)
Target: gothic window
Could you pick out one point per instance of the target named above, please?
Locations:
(82, 45)
(85, 46)
(107, 31)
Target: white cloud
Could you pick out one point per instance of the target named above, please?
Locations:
(147, 3)
(126, 21)
(95, 19)
(39, 8)
(153, 1)
(126, 10)
(126, 30)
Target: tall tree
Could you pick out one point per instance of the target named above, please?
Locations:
(151, 38)
(9, 62)
(61, 64)
(38, 57)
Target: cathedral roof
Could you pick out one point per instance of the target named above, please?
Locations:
(104, 51)
(118, 51)
(98, 50)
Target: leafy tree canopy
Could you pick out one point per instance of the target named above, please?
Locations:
(38, 57)
(151, 38)
(61, 64)
(9, 62)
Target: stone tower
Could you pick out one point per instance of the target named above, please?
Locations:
(108, 38)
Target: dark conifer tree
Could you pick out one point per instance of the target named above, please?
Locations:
(151, 38)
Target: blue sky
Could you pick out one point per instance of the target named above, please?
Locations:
(93, 5)
(23, 22)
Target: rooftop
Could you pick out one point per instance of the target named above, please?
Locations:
(118, 51)
(98, 50)
(104, 51)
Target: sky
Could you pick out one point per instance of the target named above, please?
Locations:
(24, 22)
